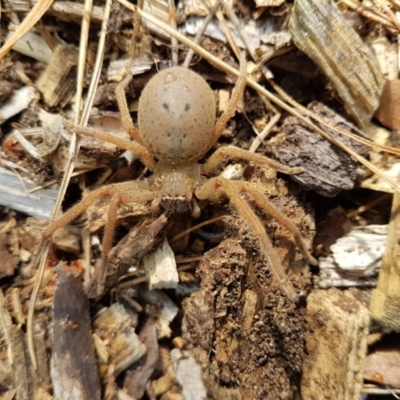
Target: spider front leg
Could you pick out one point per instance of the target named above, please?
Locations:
(134, 191)
(124, 110)
(220, 154)
(237, 93)
(145, 155)
(119, 193)
(231, 190)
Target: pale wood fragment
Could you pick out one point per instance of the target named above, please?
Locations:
(319, 29)
(188, 372)
(115, 327)
(160, 267)
(385, 301)
(355, 259)
(336, 344)
(57, 83)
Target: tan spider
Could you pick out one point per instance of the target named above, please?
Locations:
(177, 126)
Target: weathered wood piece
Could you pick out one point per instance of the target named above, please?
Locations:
(160, 267)
(16, 371)
(248, 337)
(57, 83)
(355, 259)
(188, 372)
(14, 193)
(385, 301)
(115, 327)
(327, 169)
(319, 30)
(336, 344)
(73, 364)
(128, 252)
(136, 380)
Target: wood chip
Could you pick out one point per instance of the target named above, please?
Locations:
(336, 343)
(135, 381)
(188, 372)
(72, 342)
(319, 30)
(385, 301)
(115, 328)
(14, 193)
(382, 365)
(57, 82)
(129, 251)
(355, 259)
(160, 267)
(8, 261)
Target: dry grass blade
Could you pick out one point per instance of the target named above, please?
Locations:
(34, 16)
(232, 71)
(74, 148)
(306, 111)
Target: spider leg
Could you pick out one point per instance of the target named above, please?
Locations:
(123, 197)
(219, 155)
(229, 188)
(230, 109)
(282, 219)
(142, 151)
(139, 192)
(124, 110)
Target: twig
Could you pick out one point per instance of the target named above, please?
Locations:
(264, 133)
(200, 33)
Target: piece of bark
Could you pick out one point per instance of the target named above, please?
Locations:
(140, 240)
(73, 364)
(327, 169)
(336, 343)
(136, 380)
(385, 301)
(248, 337)
(319, 29)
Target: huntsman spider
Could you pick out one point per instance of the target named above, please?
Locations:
(177, 126)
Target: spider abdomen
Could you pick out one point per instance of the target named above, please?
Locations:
(176, 115)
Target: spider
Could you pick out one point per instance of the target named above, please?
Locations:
(177, 126)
